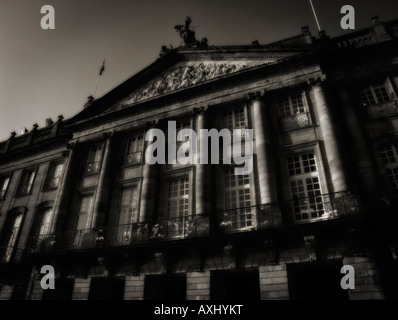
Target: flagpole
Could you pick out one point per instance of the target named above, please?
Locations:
(316, 18)
(99, 75)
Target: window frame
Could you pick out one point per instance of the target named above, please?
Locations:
(179, 126)
(50, 175)
(3, 177)
(289, 95)
(253, 198)
(126, 152)
(390, 165)
(186, 172)
(370, 86)
(5, 243)
(18, 191)
(90, 164)
(305, 148)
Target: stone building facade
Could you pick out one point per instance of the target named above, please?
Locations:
(80, 196)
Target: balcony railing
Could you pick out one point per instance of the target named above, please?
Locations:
(295, 122)
(382, 110)
(265, 216)
(249, 218)
(128, 234)
(132, 159)
(10, 254)
(322, 207)
(93, 168)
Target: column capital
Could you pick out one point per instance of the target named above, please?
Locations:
(65, 153)
(316, 81)
(107, 135)
(199, 110)
(71, 146)
(255, 96)
(151, 124)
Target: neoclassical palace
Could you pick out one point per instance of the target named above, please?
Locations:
(79, 195)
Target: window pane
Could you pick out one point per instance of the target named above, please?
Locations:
(85, 210)
(178, 198)
(375, 94)
(237, 198)
(26, 182)
(128, 206)
(3, 186)
(235, 119)
(389, 155)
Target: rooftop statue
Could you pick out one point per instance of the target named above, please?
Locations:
(187, 35)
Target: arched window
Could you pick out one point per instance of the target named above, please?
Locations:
(10, 233)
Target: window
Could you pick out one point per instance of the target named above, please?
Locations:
(54, 175)
(26, 182)
(10, 236)
(389, 155)
(237, 200)
(305, 187)
(128, 209)
(42, 227)
(293, 112)
(291, 105)
(84, 212)
(377, 93)
(235, 119)
(183, 124)
(133, 153)
(178, 205)
(4, 182)
(94, 158)
(83, 219)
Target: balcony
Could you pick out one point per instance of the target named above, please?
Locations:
(321, 207)
(133, 159)
(295, 122)
(92, 168)
(122, 235)
(258, 217)
(382, 110)
(10, 254)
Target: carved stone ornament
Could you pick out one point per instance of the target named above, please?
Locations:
(316, 80)
(253, 96)
(199, 110)
(186, 75)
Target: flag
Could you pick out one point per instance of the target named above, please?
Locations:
(102, 68)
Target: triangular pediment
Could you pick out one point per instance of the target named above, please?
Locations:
(183, 69)
(187, 74)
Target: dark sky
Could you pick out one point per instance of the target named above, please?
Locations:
(45, 73)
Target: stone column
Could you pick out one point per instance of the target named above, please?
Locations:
(61, 203)
(102, 196)
(330, 134)
(360, 150)
(202, 179)
(265, 160)
(149, 184)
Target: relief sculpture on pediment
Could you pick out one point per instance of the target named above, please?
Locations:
(185, 76)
